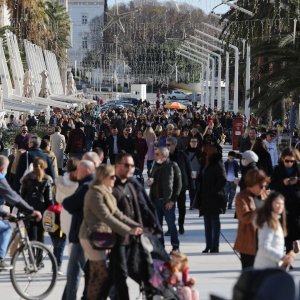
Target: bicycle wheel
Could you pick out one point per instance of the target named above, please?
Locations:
(29, 282)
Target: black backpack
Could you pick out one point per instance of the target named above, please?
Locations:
(35, 196)
(271, 284)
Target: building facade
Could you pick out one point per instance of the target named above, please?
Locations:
(83, 14)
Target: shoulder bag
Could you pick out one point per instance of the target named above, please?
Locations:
(101, 240)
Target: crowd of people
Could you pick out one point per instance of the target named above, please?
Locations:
(91, 163)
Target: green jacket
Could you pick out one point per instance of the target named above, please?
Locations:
(167, 182)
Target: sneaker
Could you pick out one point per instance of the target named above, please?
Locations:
(296, 246)
(167, 233)
(5, 266)
(59, 271)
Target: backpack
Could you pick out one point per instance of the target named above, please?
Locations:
(35, 196)
(50, 219)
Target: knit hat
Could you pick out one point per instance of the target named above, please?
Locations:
(250, 156)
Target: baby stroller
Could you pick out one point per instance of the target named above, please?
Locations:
(145, 266)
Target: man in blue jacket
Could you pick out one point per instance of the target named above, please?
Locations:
(8, 195)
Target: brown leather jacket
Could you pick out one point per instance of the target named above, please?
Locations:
(246, 242)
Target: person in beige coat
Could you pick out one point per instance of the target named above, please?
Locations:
(58, 146)
(101, 214)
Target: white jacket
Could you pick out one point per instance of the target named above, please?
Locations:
(272, 149)
(270, 247)
(65, 188)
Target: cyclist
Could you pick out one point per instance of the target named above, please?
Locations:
(8, 195)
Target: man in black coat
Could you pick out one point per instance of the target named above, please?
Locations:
(28, 157)
(76, 142)
(74, 205)
(246, 143)
(113, 144)
(126, 144)
(183, 162)
(133, 201)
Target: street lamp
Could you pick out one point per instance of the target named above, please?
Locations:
(203, 63)
(246, 11)
(209, 59)
(219, 103)
(248, 75)
(236, 67)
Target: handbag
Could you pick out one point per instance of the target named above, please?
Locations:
(102, 240)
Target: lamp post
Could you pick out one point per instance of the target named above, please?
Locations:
(209, 59)
(219, 103)
(236, 67)
(248, 74)
(204, 63)
(245, 11)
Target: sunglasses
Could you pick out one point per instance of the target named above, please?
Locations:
(168, 145)
(127, 165)
(289, 161)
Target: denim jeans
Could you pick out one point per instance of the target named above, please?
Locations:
(5, 234)
(230, 190)
(75, 265)
(169, 215)
(58, 249)
(193, 190)
(212, 227)
(88, 145)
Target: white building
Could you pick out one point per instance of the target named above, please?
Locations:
(82, 12)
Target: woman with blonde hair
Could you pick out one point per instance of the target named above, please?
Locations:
(102, 215)
(36, 190)
(271, 223)
(150, 137)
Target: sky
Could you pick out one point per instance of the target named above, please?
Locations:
(205, 5)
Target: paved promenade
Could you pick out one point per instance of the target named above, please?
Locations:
(215, 273)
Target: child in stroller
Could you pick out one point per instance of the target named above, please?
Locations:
(173, 274)
(178, 266)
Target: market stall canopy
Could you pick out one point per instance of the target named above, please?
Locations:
(175, 105)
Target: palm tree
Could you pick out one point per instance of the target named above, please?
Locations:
(44, 23)
(273, 57)
(59, 29)
(29, 20)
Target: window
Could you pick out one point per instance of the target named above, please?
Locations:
(84, 19)
(84, 43)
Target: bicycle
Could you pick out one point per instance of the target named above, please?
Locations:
(33, 264)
